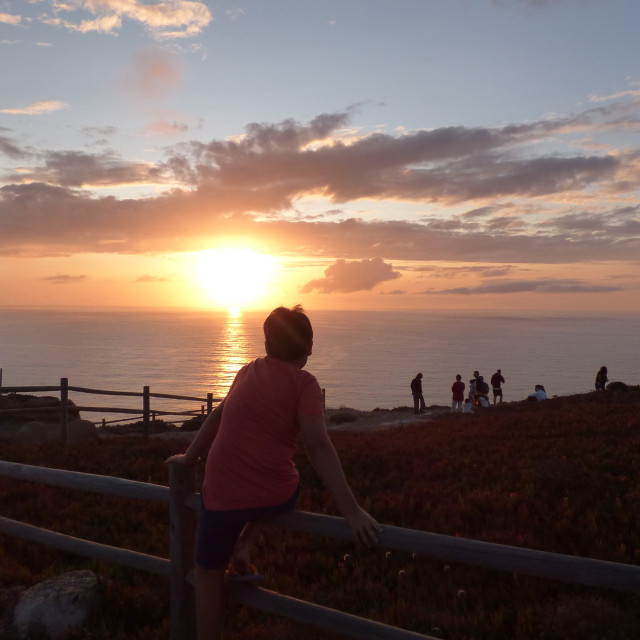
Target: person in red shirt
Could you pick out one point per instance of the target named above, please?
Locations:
(457, 390)
(249, 473)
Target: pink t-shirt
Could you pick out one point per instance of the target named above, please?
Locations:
(250, 463)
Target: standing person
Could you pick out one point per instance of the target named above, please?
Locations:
(249, 474)
(472, 390)
(457, 390)
(496, 383)
(601, 379)
(416, 391)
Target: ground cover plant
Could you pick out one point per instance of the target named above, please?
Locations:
(560, 475)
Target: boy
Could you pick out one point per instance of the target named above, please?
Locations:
(249, 474)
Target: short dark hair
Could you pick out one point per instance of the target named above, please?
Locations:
(288, 333)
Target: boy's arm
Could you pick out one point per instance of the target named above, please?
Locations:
(325, 461)
(203, 439)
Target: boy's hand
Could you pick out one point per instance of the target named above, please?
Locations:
(180, 458)
(364, 526)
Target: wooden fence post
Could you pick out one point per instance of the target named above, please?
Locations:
(209, 403)
(146, 411)
(182, 482)
(64, 410)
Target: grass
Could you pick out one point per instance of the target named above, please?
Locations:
(560, 475)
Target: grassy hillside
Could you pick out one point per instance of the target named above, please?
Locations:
(560, 475)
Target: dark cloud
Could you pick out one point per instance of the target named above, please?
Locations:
(347, 277)
(147, 278)
(78, 169)
(499, 180)
(10, 149)
(527, 286)
(99, 132)
(64, 279)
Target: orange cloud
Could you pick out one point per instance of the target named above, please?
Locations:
(37, 108)
(501, 198)
(348, 277)
(164, 19)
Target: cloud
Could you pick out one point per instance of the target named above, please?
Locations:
(493, 195)
(153, 73)
(348, 277)
(64, 279)
(527, 286)
(8, 148)
(163, 19)
(79, 169)
(7, 18)
(147, 278)
(37, 108)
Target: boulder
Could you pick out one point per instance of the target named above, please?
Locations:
(34, 432)
(26, 408)
(78, 430)
(37, 432)
(8, 431)
(53, 608)
(193, 424)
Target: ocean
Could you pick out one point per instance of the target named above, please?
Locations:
(363, 360)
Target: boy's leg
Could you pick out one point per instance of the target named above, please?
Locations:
(210, 602)
(241, 559)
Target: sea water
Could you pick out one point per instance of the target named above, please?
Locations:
(363, 360)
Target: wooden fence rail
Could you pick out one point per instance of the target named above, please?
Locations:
(146, 413)
(183, 504)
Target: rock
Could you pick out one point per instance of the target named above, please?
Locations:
(34, 431)
(52, 608)
(79, 430)
(617, 386)
(8, 431)
(27, 408)
(193, 424)
(38, 432)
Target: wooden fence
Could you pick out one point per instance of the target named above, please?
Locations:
(183, 504)
(145, 412)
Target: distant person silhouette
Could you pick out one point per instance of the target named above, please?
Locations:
(482, 389)
(496, 383)
(601, 379)
(472, 389)
(538, 394)
(467, 407)
(416, 391)
(457, 390)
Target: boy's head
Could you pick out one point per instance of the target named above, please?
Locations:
(288, 334)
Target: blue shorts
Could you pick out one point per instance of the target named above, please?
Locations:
(218, 531)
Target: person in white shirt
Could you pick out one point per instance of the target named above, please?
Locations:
(538, 394)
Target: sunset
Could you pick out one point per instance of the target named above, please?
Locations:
(320, 317)
(411, 155)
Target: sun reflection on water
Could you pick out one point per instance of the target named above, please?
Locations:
(234, 347)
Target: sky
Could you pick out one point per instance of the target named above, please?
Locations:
(341, 154)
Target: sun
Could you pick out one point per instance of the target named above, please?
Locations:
(234, 278)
